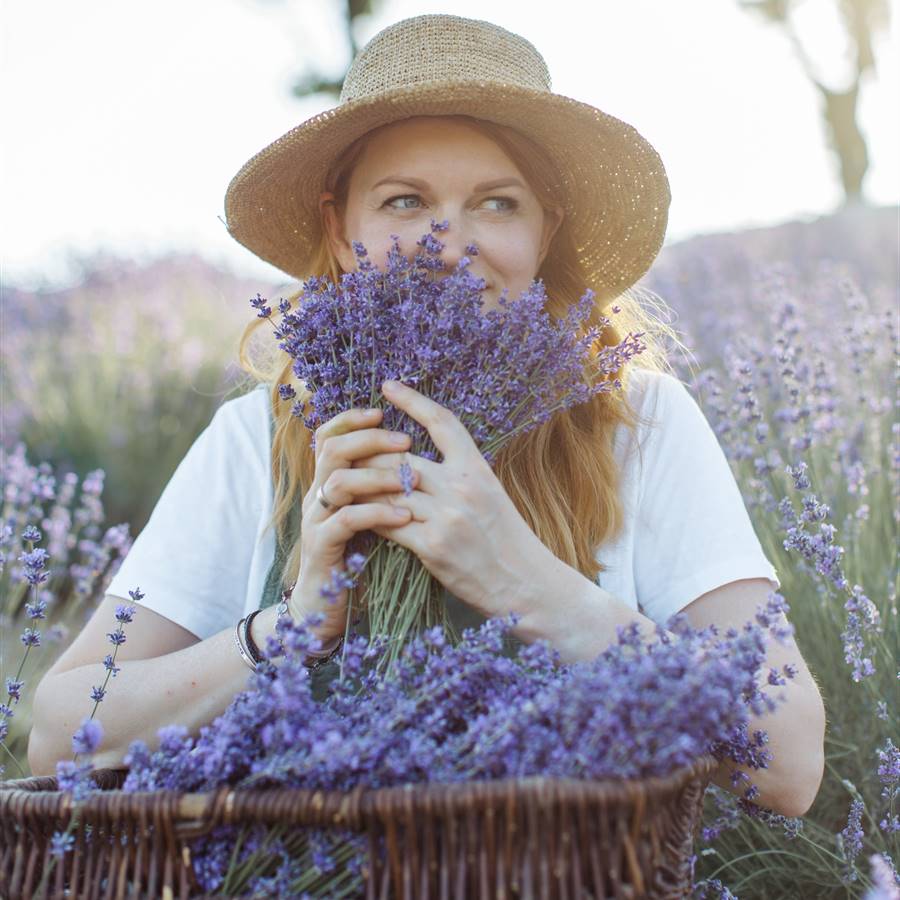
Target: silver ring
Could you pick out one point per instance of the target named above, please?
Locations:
(321, 496)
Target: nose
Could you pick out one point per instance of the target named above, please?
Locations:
(454, 248)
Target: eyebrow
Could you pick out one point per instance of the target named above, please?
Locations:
(421, 185)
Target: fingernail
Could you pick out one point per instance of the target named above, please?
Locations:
(391, 385)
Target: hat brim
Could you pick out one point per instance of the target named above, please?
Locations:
(614, 186)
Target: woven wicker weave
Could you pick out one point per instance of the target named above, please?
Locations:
(531, 837)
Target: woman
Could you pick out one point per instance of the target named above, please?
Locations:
(450, 119)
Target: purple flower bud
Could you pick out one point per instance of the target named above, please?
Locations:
(36, 610)
(116, 637)
(71, 779)
(13, 688)
(356, 562)
(406, 478)
(31, 638)
(88, 737)
(61, 843)
(110, 666)
(124, 613)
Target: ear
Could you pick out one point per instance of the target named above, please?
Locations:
(334, 231)
(552, 220)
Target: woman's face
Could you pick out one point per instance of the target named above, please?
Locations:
(438, 168)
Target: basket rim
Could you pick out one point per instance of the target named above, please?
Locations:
(412, 796)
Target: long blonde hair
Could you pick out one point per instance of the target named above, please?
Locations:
(562, 476)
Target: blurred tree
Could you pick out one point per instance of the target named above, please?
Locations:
(860, 20)
(314, 82)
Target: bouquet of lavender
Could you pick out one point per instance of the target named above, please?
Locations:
(451, 714)
(502, 373)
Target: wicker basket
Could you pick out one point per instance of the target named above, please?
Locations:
(530, 837)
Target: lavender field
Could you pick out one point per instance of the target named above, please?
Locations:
(793, 339)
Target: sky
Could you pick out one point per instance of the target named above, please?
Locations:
(125, 121)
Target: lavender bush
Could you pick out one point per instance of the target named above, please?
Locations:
(146, 348)
(798, 379)
(68, 577)
(502, 372)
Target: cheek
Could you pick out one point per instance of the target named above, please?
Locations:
(517, 254)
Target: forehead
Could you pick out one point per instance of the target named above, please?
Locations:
(428, 141)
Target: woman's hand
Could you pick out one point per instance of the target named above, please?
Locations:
(464, 528)
(342, 444)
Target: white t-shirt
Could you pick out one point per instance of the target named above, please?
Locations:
(201, 560)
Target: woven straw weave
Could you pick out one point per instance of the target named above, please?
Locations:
(554, 839)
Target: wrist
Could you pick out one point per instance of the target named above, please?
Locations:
(328, 631)
(550, 602)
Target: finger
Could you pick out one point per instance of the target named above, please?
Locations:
(449, 435)
(421, 505)
(409, 535)
(354, 485)
(348, 520)
(425, 471)
(344, 422)
(341, 451)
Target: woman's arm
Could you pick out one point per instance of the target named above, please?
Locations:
(191, 687)
(581, 623)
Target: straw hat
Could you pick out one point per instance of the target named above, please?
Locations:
(613, 183)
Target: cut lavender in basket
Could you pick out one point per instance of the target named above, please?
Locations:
(502, 372)
(467, 712)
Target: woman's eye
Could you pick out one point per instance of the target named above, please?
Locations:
(390, 200)
(511, 202)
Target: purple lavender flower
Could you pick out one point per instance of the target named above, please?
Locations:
(31, 638)
(355, 563)
(61, 843)
(116, 637)
(406, 477)
(33, 563)
(87, 738)
(73, 779)
(110, 666)
(712, 889)
(13, 688)
(886, 884)
(850, 841)
(347, 339)
(889, 769)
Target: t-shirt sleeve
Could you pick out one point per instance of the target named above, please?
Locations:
(692, 531)
(192, 559)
